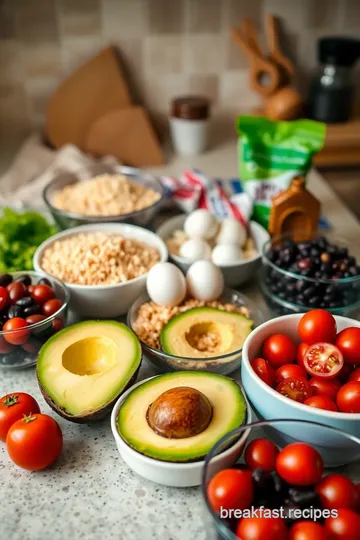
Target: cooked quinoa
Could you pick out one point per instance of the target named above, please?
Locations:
(105, 195)
(98, 259)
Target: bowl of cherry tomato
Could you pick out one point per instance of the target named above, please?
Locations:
(306, 366)
(32, 308)
(281, 491)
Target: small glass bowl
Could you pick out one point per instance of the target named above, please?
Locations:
(331, 442)
(222, 364)
(23, 355)
(288, 292)
(142, 218)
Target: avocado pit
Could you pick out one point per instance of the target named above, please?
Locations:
(179, 413)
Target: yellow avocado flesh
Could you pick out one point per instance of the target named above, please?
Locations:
(228, 330)
(229, 411)
(85, 366)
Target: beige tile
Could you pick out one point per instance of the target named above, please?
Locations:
(235, 92)
(7, 19)
(36, 21)
(163, 54)
(205, 85)
(203, 15)
(235, 58)
(236, 10)
(204, 53)
(11, 62)
(41, 60)
(325, 14)
(294, 15)
(352, 15)
(76, 51)
(160, 91)
(38, 92)
(165, 16)
(124, 19)
(80, 17)
(13, 108)
(131, 59)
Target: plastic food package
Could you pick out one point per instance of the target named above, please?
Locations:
(271, 154)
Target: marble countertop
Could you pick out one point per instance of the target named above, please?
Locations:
(89, 493)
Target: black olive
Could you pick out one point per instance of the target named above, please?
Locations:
(44, 281)
(278, 484)
(5, 280)
(25, 279)
(314, 301)
(261, 478)
(304, 497)
(32, 310)
(289, 513)
(14, 311)
(25, 302)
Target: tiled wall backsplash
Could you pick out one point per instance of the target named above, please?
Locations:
(169, 47)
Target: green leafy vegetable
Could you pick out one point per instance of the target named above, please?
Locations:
(20, 235)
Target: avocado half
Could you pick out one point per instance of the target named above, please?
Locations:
(228, 412)
(179, 336)
(84, 368)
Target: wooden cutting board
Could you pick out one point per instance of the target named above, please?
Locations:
(126, 134)
(88, 93)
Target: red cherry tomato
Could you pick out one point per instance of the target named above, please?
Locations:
(321, 402)
(34, 442)
(30, 289)
(348, 397)
(325, 387)
(300, 464)
(4, 296)
(348, 341)
(261, 453)
(317, 326)
(263, 370)
(295, 388)
(231, 489)
(307, 530)
(337, 491)
(323, 360)
(345, 373)
(301, 350)
(57, 325)
(33, 319)
(12, 408)
(17, 331)
(358, 493)
(344, 527)
(51, 306)
(289, 370)
(5, 347)
(259, 528)
(278, 350)
(16, 290)
(355, 375)
(42, 293)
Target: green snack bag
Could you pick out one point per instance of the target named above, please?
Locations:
(271, 154)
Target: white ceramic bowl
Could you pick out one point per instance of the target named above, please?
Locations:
(234, 274)
(105, 301)
(168, 473)
(270, 405)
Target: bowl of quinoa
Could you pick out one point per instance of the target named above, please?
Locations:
(104, 266)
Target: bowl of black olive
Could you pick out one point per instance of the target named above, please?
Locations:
(32, 309)
(320, 272)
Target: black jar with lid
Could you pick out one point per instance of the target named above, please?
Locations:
(332, 89)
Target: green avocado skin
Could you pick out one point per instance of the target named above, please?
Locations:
(210, 314)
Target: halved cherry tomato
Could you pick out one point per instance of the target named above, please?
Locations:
(289, 370)
(355, 375)
(4, 296)
(295, 388)
(12, 408)
(316, 326)
(307, 530)
(51, 306)
(325, 387)
(344, 527)
(263, 370)
(15, 330)
(42, 293)
(261, 453)
(348, 341)
(278, 350)
(337, 491)
(348, 397)
(231, 489)
(323, 360)
(321, 402)
(300, 464)
(301, 350)
(259, 528)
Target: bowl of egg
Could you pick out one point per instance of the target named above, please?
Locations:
(191, 322)
(231, 246)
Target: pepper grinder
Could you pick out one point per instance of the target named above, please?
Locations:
(189, 122)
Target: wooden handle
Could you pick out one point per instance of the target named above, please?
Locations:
(258, 67)
(276, 56)
(251, 36)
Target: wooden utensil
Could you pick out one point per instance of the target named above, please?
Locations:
(126, 134)
(275, 55)
(88, 93)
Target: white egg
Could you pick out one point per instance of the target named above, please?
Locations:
(201, 224)
(166, 284)
(195, 249)
(205, 281)
(231, 232)
(225, 254)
